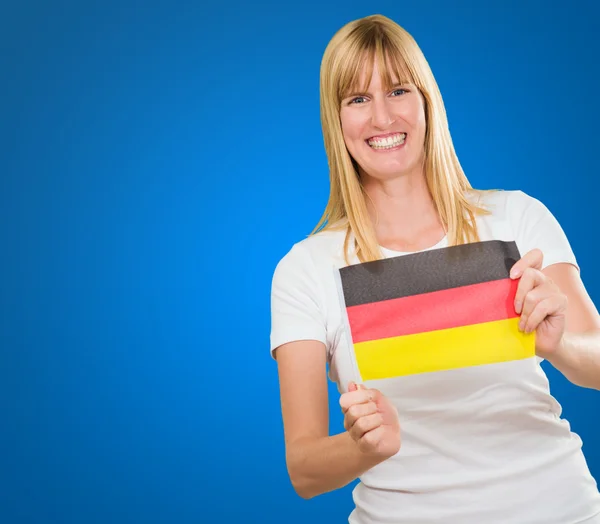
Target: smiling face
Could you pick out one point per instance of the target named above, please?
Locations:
(384, 127)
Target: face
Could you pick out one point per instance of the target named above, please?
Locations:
(384, 130)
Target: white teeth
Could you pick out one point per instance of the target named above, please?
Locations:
(387, 142)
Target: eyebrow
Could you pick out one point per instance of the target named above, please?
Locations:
(395, 85)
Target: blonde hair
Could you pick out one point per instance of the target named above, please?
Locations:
(353, 47)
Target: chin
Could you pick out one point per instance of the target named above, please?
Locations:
(386, 173)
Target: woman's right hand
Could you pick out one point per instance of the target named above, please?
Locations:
(372, 421)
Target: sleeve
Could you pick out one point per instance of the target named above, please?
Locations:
(536, 227)
(296, 303)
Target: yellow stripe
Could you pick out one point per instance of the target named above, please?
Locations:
(475, 345)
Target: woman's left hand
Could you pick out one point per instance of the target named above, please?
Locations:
(541, 304)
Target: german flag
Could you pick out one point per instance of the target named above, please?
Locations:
(435, 310)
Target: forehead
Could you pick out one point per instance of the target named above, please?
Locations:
(389, 69)
(374, 75)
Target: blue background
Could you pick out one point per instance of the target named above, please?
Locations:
(157, 160)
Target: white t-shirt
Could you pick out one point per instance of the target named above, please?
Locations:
(481, 444)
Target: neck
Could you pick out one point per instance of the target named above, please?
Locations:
(403, 212)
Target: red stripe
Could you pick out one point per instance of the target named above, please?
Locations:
(445, 309)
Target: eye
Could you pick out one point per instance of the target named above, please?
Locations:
(357, 100)
(398, 92)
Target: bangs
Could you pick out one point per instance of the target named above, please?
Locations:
(356, 67)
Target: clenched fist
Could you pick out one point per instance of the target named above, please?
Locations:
(372, 421)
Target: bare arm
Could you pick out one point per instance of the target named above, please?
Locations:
(317, 462)
(578, 356)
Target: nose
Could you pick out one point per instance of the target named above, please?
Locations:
(381, 116)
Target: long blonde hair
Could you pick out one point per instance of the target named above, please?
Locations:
(353, 47)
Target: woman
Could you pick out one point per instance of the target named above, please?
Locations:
(402, 289)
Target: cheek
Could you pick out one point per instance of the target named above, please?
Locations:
(414, 115)
(419, 118)
(352, 127)
(417, 125)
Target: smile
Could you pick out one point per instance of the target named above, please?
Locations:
(387, 142)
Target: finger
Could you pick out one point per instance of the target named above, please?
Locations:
(533, 259)
(371, 439)
(352, 386)
(531, 278)
(356, 411)
(355, 397)
(533, 298)
(540, 292)
(365, 424)
(544, 308)
(375, 394)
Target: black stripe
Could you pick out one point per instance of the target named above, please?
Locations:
(428, 271)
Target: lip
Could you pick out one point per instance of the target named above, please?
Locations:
(387, 150)
(387, 134)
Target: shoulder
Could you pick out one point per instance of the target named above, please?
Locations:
(322, 249)
(519, 216)
(509, 204)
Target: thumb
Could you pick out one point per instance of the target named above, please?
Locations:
(352, 386)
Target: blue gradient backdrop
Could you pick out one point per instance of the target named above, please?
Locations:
(157, 160)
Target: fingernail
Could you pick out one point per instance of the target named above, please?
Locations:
(518, 306)
(514, 273)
